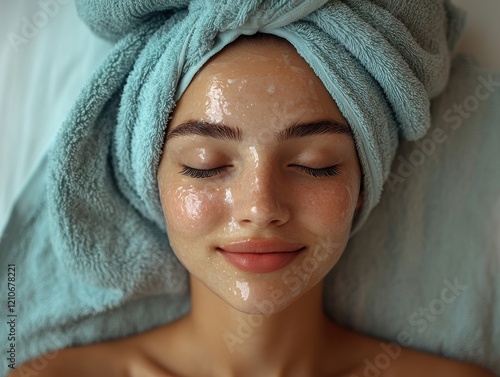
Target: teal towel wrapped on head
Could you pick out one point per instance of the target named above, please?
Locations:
(98, 225)
(381, 62)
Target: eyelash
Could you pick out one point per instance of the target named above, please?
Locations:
(202, 173)
(319, 173)
(208, 173)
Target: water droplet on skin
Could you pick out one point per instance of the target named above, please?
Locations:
(228, 197)
(244, 289)
(203, 154)
(232, 226)
(216, 106)
(192, 201)
(255, 155)
(271, 89)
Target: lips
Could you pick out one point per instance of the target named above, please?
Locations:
(260, 255)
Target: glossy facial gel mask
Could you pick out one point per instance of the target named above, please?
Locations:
(258, 211)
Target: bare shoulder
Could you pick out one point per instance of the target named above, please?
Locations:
(110, 359)
(93, 360)
(369, 356)
(414, 363)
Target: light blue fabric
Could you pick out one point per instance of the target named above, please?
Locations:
(436, 222)
(93, 241)
(424, 270)
(380, 60)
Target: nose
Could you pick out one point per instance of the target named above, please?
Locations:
(260, 200)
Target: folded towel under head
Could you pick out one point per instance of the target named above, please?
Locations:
(89, 234)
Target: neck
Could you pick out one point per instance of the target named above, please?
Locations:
(236, 343)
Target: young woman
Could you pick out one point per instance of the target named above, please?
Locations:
(259, 182)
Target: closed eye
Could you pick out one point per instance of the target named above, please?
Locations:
(319, 173)
(208, 173)
(202, 173)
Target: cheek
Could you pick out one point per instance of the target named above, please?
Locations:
(191, 211)
(336, 205)
(331, 208)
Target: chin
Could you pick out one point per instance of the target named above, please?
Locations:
(265, 306)
(267, 296)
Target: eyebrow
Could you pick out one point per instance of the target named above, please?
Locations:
(314, 128)
(215, 130)
(222, 131)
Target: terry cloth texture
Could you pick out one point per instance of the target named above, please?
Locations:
(95, 212)
(424, 270)
(381, 60)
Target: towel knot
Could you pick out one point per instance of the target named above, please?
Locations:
(112, 19)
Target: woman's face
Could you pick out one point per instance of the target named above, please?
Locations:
(259, 179)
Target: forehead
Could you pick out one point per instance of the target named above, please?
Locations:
(258, 58)
(254, 80)
(250, 64)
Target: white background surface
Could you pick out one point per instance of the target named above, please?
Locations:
(40, 79)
